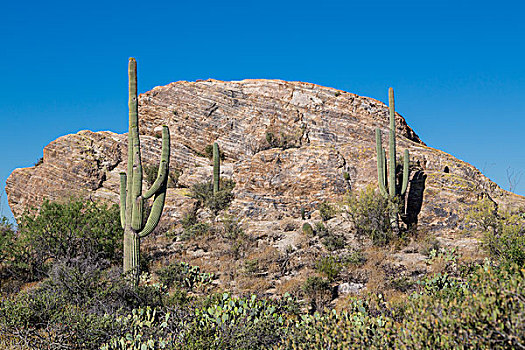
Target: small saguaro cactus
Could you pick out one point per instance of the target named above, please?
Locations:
(131, 197)
(388, 184)
(216, 168)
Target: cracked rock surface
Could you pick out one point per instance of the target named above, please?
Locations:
(287, 145)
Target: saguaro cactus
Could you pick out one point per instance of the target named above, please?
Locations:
(131, 197)
(216, 168)
(388, 184)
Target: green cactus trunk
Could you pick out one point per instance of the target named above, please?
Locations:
(388, 184)
(216, 168)
(131, 198)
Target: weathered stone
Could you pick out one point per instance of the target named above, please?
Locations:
(349, 288)
(287, 145)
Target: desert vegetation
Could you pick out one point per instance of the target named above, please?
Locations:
(79, 274)
(62, 287)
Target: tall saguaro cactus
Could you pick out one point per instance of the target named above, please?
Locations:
(216, 168)
(388, 185)
(131, 197)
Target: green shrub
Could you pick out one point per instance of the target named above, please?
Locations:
(196, 230)
(329, 266)
(231, 229)
(369, 213)
(42, 318)
(326, 211)
(355, 257)
(183, 275)
(321, 230)
(203, 192)
(503, 233)
(7, 239)
(307, 229)
(333, 242)
(484, 308)
(74, 230)
(317, 290)
(226, 322)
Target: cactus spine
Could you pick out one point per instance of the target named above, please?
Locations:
(216, 168)
(388, 185)
(131, 197)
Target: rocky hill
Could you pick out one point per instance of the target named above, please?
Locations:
(287, 146)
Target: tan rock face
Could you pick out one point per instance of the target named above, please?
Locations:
(287, 146)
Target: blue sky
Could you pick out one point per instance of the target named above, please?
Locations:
(458, 67)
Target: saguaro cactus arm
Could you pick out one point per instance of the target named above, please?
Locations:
(123, 179)
(162, 175)
(406, 171)
(154, 216)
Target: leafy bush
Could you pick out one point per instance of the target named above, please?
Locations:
(203, 192)
(307, 229)
(64, 232)
(503, 233)
(326, 211)
(7, 239)
(183, 275)
(42, 318)
(321, 230)
(77, 307)
(484, 308)
(317, 290)
(369, 213)
(329, 266)
(333, 242)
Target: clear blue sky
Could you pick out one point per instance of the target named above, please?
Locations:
(458, 67)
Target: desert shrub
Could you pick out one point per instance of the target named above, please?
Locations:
(43, 318)
(183, 275)
(503, 233)
(251, 266)
(196, 230)
(61, 232)
(483, 308)
(329, 266)
(326, 211)
(7, 239)
(226, 322)
(369, 213)
(77, 307)
(320, 229)
(192, 227)
(307, 229)
(333, 242)
(318, 292)
(203, 192)
(354, 257)
(231, 228)
(283, 140)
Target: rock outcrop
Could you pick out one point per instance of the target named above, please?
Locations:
(287, 146)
